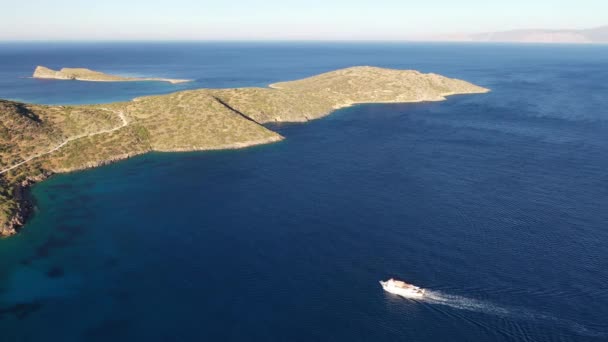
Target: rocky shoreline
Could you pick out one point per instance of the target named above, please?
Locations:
(25, 205)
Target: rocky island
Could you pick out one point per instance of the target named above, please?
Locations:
(82, 74)
(37, 141)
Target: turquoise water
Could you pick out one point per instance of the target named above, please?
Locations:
(495, 203)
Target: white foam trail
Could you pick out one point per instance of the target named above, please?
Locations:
(475, 305)
(464, 303)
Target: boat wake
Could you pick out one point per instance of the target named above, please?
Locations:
(485, 307)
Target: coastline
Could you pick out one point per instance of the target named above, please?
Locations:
(88, 75)
(168, 80)
(26, 202)
(208, 119)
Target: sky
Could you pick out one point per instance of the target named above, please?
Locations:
(286, 19)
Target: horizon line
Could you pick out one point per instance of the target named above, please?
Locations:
(379, 41)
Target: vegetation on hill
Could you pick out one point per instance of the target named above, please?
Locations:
(317, 96)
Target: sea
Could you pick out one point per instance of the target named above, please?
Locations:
(496, 203)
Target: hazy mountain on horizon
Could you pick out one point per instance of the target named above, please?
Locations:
(597, 35)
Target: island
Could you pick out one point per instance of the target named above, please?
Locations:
(37, 141)
(82, 74)
(597, 35)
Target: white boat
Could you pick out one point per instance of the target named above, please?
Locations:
(402, 288)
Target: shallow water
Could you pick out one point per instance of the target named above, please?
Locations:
(495, 203)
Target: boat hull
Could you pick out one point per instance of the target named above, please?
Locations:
(411, 293)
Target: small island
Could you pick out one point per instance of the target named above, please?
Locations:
(37, 141)
(82, 74)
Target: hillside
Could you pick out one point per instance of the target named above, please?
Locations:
(37, 141)
(317, 96)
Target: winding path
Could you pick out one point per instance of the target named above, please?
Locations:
(121, 115)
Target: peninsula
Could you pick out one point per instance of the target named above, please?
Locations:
(37, 141)
(82, 74)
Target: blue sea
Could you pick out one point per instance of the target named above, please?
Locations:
(496, 203)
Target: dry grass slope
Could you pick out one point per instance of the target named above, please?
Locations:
(318, 96)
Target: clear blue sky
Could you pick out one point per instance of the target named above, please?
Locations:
(285, 19)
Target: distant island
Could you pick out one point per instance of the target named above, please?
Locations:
(82, 74)
(37, 141)
(597, 35)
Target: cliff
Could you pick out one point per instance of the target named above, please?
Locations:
(37, 141)
(82, 74)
